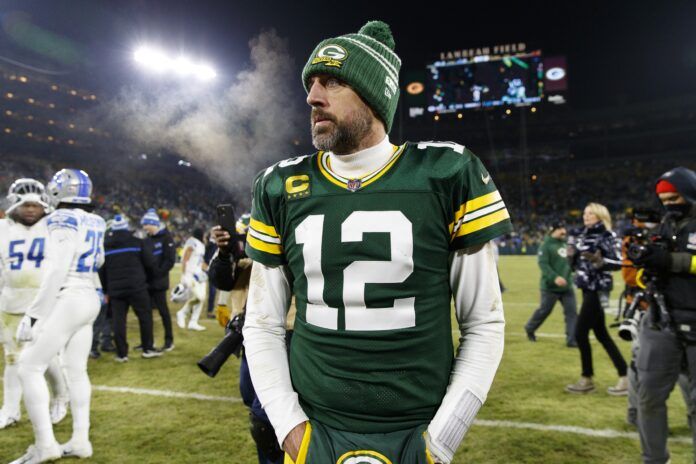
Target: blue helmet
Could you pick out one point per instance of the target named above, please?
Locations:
(70, 186)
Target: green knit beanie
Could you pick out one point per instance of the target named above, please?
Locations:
(366, 61)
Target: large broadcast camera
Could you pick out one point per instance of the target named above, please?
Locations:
(649, 295)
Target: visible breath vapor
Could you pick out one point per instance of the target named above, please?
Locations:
(228, 134)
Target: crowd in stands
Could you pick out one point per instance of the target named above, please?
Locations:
(185, 198)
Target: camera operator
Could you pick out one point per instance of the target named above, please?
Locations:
(669, 342)
(643, 222)
(229, 271)
(593, 253)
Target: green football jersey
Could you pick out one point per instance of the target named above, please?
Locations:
(369, 260)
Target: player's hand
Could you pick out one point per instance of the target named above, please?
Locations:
(222, 314)
(220, 236)
(560, 281)
(25, 333)
(292, 442)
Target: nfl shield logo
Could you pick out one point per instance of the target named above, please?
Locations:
(353, 184)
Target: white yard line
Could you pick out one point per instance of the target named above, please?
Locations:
(165, 393)
(599, 433)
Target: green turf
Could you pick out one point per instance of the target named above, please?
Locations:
(128, 428)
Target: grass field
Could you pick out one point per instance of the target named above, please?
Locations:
(130, 427)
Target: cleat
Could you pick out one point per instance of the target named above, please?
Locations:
(151, 354)
(74, 449)
(168, 347)
(197, 327)
(8, 420)
(119, 359)
(59, 409)
(36, 455)
(181, 319)
(94, 354)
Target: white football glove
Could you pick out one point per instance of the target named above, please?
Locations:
(25, 332)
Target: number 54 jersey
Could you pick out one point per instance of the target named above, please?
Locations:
(369, 259)
(22, 262)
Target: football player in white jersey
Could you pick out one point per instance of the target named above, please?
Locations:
(194, 278)
(23, 238)
(61, 316)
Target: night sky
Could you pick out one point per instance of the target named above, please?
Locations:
(618, 52)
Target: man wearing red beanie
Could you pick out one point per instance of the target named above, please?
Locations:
(670, 342)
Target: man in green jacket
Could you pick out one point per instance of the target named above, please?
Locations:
(556, 284)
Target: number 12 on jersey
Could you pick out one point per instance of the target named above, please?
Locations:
(357, 315)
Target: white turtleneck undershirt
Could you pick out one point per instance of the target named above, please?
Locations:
(364, 162)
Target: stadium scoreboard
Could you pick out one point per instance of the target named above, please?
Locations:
(488, 77)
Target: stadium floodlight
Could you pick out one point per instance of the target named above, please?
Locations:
(159, 62)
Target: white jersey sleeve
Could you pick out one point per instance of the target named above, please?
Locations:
(75, 241)
(194, 266)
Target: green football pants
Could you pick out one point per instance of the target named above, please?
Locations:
(324, 445)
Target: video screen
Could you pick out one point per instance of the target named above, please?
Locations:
(510, 80)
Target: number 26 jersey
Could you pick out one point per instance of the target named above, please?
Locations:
(369, 260)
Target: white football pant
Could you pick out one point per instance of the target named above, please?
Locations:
(12, 388)
(68, 327)
(194, 305)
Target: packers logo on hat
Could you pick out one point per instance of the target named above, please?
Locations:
(331, 55)
(363, 457)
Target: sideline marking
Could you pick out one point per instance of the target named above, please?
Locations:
(598, 433)
(166, 393)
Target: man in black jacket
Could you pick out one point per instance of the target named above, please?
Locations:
(124, 281)
(670, 342)
(162, 245)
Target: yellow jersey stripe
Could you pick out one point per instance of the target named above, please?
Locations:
(327, 173)
(474, 204)
(692, 269)
(263, 228)
(385, 168)
(366, 180)
(263, 246)
(304, 447)
(483, 222)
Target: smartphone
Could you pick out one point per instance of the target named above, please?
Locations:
(227, 219)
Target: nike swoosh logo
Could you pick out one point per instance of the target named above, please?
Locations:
(486, 178)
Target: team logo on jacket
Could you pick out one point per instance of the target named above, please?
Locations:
(331, 55)
(363, 457)
(354, 184)
(692, 241)
(562, 252)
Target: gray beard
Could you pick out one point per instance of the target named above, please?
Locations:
(344, 137)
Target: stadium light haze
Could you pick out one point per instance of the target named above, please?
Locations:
(157, 61)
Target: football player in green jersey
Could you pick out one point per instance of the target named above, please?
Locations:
(375, 241)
